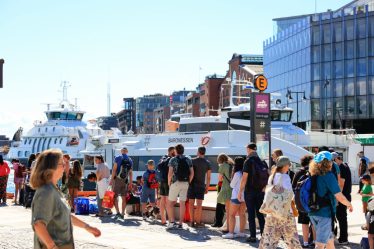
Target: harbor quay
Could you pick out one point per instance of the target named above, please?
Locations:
(133, 232)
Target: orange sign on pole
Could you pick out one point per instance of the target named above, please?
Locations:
(261, 83)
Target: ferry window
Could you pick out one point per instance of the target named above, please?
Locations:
(39, 130)
(56, 140)
(61, 140)
(55, 115)
(275, 115)
(285, 116)
(49, 143)
(25, 141)
(63, 116)
(135, 163)
(30, 141)
(79, 116)
(71, 116)
(202, 127)
(46, 129)
(54, 128)
(19, 153)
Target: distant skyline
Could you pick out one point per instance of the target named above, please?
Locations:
(140, 48)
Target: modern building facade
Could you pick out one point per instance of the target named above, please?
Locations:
(329, 58)
(127, 117)
(108, 122)
(161, 115)
(144, 110)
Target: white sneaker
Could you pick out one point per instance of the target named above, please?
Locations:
(240, 235)
(170, 226)
(228, 236)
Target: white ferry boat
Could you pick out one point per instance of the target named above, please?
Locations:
(64, 129)
(215, 133)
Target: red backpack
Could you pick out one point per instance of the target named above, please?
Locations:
(152, 181)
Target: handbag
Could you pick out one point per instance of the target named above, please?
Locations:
(108, 200)
(277, 201)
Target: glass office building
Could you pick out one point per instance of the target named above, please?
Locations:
(330, 57)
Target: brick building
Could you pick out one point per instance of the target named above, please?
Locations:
(161, 115)
(242, 69)
(210, 94)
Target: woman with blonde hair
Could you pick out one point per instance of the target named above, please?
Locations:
(224, 169)
(51, 218)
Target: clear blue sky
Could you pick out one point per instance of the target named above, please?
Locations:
(140, 47)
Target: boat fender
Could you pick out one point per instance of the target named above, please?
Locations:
(205, 140)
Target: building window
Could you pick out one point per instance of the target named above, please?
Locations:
(349, 87)
(361, 106)
(349, 30)
(349, 68)
(326, 52)
(361, 67)
(361, 28)
(371, 23)
(338, 52)
(337, 31)
(371, 85)
(316, 35)
(349, 106)
(315, 54)
(371, 47)
(338, 107)
(316, 89)
(338, 88)
(371, 66)
(361, 48)
(349, 50)
(316, 72)
(361, 86)
(338, 69)
(327, 33)
(371, 103)
(326, 70)
(315, 109)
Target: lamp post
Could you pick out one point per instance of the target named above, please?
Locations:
(289, 96)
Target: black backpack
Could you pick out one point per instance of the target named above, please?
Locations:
(163, 168)
(125, 167)
(260, 173)
(182, 170)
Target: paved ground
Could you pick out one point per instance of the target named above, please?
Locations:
(16, 232)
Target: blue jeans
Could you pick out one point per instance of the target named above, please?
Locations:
(253, 201)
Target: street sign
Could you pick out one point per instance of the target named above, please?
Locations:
(260, 123)
(261, 83)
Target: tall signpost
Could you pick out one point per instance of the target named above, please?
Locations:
(260, 117)
(1, 72)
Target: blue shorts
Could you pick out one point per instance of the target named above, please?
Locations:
(236, 201)
(323, 228)
(148, 194)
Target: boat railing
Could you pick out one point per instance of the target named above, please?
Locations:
(321, 137)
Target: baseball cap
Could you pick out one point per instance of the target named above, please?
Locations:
(334, 155)
(282, 161)
(365, 177)
(322, 155)
(124, 148)
(252, 146)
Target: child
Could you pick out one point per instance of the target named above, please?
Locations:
(366, 192)
(74, 182)
(134, 197)
(150, 186)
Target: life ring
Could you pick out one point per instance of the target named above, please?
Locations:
(205, 140)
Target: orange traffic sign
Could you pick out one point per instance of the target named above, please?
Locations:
(261, 83)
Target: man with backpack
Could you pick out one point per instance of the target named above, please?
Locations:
(346, 187)
(163, 171)
(199, 186)
(180, 176)
(255, 178)
(121, 179)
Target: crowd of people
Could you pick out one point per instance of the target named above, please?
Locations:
(245, 184)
